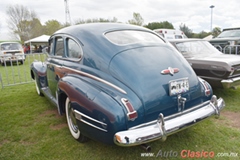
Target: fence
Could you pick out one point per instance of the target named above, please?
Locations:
(14, 73)
(231, 49)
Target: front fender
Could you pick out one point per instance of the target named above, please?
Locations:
(39, 72)
(99, 115)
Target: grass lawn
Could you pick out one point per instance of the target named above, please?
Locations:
(31, 129)
(17, 73)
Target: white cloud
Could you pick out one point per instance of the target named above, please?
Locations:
(193, 13)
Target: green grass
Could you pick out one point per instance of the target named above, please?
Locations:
(30, 128)
(17, 73)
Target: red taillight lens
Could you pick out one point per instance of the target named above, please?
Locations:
(132, 114)
(206, 87)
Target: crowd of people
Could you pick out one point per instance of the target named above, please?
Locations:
(35, 49)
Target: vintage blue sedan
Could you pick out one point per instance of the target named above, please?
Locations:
(121, 84)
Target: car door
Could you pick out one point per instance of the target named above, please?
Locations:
(55, 62)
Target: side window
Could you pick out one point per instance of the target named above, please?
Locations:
(59, 50)
(51, 46)
(74, 50)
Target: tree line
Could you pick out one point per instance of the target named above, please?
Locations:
(26, 24)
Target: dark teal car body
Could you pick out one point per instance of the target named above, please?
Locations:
(122, 84)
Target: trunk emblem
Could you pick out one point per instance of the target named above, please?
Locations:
(170, 71)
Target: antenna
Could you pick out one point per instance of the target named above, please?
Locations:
(67, 13)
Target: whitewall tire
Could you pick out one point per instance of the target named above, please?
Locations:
(72, 122)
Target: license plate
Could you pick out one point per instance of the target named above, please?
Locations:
(178, 86)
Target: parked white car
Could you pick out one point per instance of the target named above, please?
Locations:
(11, 52)
(170, 33)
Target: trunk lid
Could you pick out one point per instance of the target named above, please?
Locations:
(141, 73)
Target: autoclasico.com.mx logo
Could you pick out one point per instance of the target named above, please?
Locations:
(189, 154)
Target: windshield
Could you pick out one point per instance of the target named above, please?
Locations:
(229, 33)
(124, 37)
(11, 46)
(196, 48)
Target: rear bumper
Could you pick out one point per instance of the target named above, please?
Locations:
(231, 82)
(164, 126)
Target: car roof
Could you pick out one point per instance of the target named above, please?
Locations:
(227, 29)
(91, 36)
(99, 28)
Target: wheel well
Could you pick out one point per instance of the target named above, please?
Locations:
(32, 75)
(61, 101)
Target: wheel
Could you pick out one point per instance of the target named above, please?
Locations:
(72, 123)
(37, 88)
(22, 61)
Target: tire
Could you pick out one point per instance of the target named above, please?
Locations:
(37, 88)
(72, 123)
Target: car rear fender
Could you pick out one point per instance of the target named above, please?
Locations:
(97, 112)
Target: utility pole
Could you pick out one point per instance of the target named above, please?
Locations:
(67, 13)
(212, 6)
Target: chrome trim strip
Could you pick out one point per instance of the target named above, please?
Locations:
(96, 78)
(92, 125)
(80, 115)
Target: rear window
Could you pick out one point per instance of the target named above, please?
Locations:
(125, 37)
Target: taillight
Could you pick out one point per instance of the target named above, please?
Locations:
(131, 113)
(232, 70)
(206, 87)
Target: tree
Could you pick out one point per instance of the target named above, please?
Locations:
(95, 20)
(157, 25)
(137, 19)
(202, 34)
(22, 21)
(52, 26)
(216, 31)
(186, 30)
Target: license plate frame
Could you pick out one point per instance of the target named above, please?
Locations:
(178, 86)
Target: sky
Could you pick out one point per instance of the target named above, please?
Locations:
(195, 14)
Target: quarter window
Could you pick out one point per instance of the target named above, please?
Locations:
(74, 50)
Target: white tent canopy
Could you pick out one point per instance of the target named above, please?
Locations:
(43, 40)
(40, 39)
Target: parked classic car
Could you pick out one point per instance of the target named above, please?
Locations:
(228, 41)
(11, 52)
(122, 84)
(220, 70)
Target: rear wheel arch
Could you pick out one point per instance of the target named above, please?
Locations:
(61, 100)
(32, 75)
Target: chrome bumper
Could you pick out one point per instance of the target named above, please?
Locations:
(162, 127)
(231, 82)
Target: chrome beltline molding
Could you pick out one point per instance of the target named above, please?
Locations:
(95, 78)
